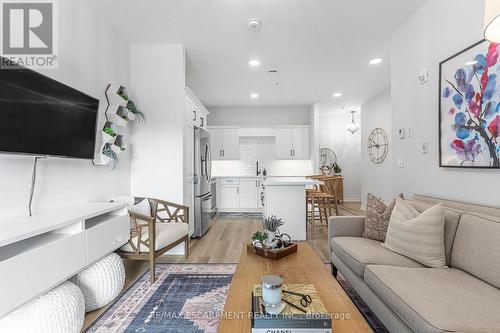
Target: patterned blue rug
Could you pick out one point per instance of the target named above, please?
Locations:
(369, 316)
(185, 298)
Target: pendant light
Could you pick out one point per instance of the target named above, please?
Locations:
(492, 21)
(353, 128)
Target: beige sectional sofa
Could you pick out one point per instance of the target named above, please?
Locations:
(408, 297)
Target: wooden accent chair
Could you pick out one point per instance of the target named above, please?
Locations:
(156, 227)
(321, 202)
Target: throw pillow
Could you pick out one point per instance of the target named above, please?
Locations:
(377, 218)
(417, 236)
(142, 207)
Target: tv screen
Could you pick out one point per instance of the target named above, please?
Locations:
(41, 116)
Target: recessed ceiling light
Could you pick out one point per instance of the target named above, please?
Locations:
(375, 61)
(337, 95)
(254, 63)
(254, 95)
(254, 24)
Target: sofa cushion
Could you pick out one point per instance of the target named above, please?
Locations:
(417, 236)
(358, 252)
(166, 234)
(437, 300)
(476, 249)
(451, 218)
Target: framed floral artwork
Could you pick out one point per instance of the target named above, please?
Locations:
(469, 108)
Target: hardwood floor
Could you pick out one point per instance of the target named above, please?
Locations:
(223, 244)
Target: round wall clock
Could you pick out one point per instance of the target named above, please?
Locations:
(378, 145)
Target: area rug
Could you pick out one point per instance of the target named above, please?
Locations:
(369, 316)
(185, 298)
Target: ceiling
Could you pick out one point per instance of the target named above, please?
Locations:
(318, 46)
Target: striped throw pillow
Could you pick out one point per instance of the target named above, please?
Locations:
(417, 236)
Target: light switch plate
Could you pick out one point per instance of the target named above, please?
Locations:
(423, 77)
(425, 147)
(402, 133)
(400, 162)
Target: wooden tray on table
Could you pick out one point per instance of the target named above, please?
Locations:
(273, 254)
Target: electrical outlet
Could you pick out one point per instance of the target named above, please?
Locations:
(411, 131)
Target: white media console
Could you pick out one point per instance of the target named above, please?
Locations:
(37, 253)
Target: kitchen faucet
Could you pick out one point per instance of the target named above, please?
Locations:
(258, 171)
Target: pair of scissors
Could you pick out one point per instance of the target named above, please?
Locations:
(305, 299)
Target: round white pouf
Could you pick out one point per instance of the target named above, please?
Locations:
(61, 310)
(101, 282)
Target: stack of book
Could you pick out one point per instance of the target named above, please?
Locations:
(295, 318)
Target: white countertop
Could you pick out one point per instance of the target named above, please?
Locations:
(289, 181)
(17, 229)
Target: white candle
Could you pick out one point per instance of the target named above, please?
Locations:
(271, 290)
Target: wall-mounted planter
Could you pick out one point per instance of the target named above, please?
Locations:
(117, 115)
(106, 138)
(118, 150)
(116, 94)
(114, 131)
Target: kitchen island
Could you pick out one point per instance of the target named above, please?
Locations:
(285, 197)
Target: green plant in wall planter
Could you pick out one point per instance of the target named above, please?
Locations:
(337, 169)
(109, 130)
(122, 94)
(137, 112)
(108, 152)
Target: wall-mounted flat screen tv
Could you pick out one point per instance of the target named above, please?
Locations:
(43, 117)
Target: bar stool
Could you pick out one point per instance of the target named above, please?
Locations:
(321, 202)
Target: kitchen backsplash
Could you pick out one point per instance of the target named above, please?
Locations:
(262, 149)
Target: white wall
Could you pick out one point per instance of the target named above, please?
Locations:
(333, 134)
(376, 178)
(438, 30)
(91, 55)
(158, 81)
(259, 116)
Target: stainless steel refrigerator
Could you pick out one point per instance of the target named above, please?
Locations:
(204, 210)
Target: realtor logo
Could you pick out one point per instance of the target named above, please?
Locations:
(28, 33)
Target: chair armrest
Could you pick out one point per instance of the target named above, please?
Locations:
(175, 212)
(141, 217)
(345, 226)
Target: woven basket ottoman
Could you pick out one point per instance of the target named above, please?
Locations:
(101, 282)
(60, 310)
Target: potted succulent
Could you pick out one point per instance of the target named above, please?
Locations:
(271, 225)
(337, 169)
(138, 114)
(108, 134)
(122, 94)
(110, 153)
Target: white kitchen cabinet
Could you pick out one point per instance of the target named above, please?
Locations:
(301, 144)
(230, 198)
(216, 143)
(292, 143)
(248, 194)
(284, 144)
(225, 143)
(196, 113)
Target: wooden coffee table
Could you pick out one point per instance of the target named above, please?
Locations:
(303, 267)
